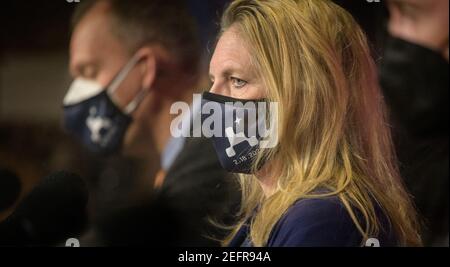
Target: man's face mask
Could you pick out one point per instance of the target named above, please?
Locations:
(91, 115)
(239, 129)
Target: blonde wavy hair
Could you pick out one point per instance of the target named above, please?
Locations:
(315, 61)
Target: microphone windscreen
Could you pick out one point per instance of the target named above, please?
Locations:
(10, 188)
(55, 210)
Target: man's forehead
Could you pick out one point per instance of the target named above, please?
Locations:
(93, 37)
(94, 26)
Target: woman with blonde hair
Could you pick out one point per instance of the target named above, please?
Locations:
(332, 178)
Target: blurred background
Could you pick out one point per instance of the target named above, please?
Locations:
(34, 79)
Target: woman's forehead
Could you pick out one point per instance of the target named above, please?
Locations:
(230, 54)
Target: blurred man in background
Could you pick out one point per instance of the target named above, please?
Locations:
(414, 75)
(109, 34)
(131, 60)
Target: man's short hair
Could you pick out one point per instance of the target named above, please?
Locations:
(142, 22)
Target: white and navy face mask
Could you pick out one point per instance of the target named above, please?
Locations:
(239, 129)
(91, 115)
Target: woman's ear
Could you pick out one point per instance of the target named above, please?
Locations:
(147, 66)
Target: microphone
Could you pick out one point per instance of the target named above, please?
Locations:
(53, 212)
(153, 220)
(10, 188)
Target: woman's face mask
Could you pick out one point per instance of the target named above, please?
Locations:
(238, 129)
(91, 115)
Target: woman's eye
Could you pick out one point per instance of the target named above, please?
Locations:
(238, 83)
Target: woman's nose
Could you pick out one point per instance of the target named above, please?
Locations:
(218, 89)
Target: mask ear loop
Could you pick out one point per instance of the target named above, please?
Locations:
(133, 105)
(120, 78)
(112, 88)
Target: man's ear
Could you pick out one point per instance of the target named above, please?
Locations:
(147, 66)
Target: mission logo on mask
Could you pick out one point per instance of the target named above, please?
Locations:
(238, 128)
(91, 115)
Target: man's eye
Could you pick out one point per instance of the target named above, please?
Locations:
(238, 83)
(89, 73)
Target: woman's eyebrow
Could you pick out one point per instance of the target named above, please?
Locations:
(232, 71)
(228, 68)
(225, 73)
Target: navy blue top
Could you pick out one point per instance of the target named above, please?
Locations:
(322, 222)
